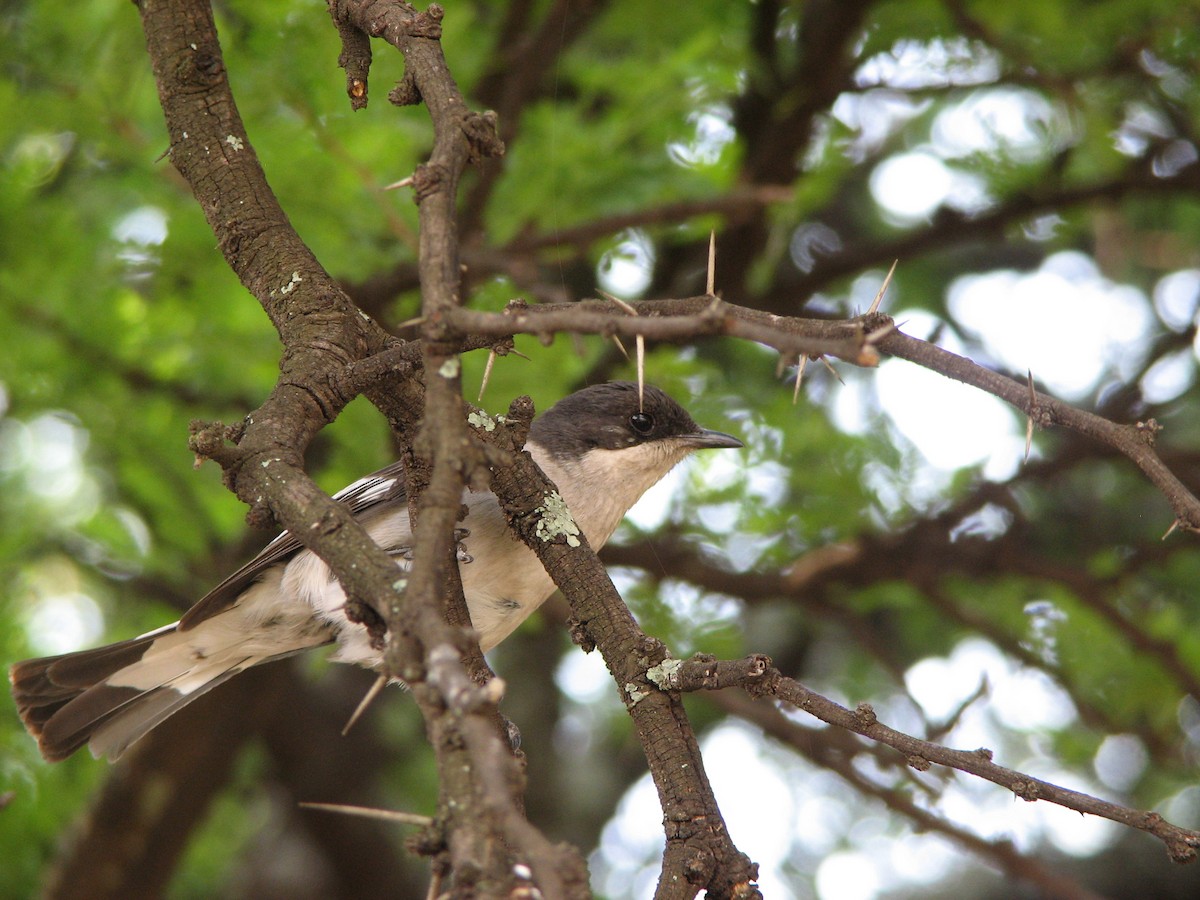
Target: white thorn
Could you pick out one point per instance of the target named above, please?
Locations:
(803, 361)
(883, 289)
(487, 374)
(711, 282)
(641, 369)
(371, 694)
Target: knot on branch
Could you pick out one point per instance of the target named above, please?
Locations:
(1148, 431)
(1029, 791)
(362, 613)
(199, 67)
(427, 24)
(428, 179)
(218, 442)
(457, 691)
(699, 867)
(383, 368)
(580, 635)
(520, 415)
(483, 140)
(1182, 852)
(865, 715)
(406, 92)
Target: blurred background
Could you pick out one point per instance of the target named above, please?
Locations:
(1033, 167)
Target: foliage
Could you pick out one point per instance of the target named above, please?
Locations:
(1061, 135)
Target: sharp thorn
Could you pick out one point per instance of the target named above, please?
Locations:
(711, 281)
(832, 370)
(883, 289)
(371, 694)
(387, 815)
(803, 361)
(487, 374)
(641, 371)
(621, 303)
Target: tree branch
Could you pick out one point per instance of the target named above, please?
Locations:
(755, 675)
(803, 741)
(699, 852)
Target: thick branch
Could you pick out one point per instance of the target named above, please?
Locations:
(677, 320)
(480, 784)
(699, 852)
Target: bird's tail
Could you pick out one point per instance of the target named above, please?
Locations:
(111, 696)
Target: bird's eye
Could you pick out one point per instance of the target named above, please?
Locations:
(641, 422)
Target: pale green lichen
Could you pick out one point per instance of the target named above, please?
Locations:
(291, 285)
(555, 521)
(449, 369)
(235, 142)
(665, 673)
(636, 694)
(482, 420)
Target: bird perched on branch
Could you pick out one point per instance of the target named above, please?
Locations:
(603, 447)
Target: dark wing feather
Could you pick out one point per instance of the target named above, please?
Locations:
(385, 486)
(41, 687)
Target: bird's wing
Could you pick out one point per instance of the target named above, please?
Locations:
(385, 486)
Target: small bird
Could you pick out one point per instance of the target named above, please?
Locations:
(603, 447)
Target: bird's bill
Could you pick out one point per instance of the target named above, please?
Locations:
(706, 439)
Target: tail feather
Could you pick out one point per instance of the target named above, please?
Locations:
(43, 688)
(111, 696)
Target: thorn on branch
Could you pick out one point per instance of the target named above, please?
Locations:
(387, 815)
(367, 700)
(801, 363)
(487, 374)
(883, 289)
(711, 281)
(834, 372)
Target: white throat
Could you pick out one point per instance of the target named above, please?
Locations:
(600, 486)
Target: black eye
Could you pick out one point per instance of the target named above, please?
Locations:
(641, 422)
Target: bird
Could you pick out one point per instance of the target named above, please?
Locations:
(602, 446)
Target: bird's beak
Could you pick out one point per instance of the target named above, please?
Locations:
(705, 439)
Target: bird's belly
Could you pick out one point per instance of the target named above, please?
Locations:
(503, 583)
